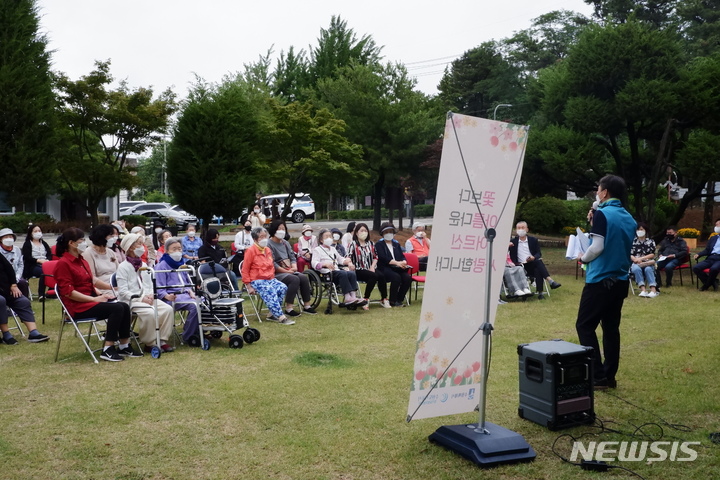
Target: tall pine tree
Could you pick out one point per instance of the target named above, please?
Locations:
(26, 104)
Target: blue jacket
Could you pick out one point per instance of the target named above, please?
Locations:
(618, 230)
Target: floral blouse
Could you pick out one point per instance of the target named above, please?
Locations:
(640, 248)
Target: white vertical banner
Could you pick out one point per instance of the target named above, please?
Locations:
(480, 171)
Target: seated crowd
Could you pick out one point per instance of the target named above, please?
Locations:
(110, 275)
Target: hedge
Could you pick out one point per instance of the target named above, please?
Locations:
(367, 214)
(18, 222)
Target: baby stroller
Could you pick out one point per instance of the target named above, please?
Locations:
(220, 309)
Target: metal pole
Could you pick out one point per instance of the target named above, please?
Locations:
(164, 172)
(487, 331)
(498, 106)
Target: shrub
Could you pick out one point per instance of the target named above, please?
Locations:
(570, 230)
(545, 214)
(19, 222)
(134, 220)
(423, 210)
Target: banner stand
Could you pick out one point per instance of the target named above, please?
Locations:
(485, 443)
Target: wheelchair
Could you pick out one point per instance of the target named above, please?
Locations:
(322, 286)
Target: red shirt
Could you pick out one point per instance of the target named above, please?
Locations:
(73, 273)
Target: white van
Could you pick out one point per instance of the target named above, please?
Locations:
(302, 205)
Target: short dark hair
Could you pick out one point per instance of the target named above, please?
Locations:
(671, 227)
(211, 233)
(616, 186)
(99, 234)
(351, 227)
(642, 225)
(274, 226)
(357, 229)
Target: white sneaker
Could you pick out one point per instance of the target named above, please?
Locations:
(653, 294)
(385, 303)
(527, 291)
(644, 293)
(286, 321)
(519, 293)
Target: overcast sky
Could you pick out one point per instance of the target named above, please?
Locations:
(164, 43)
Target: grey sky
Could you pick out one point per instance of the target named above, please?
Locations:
(162, 43)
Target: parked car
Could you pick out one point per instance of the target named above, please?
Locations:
(164, 214)
(126, 208)
(147, 207)
(302, 205)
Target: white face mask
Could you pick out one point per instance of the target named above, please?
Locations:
(263, 242)
(307, 234)
(336, 237)
(420, 234)
(521, 232)
(389, 236)
(717, 230)
(158, 230)
(256, 210)
(8, 242)
(111, 241)
(177, 256)
(139, 251)
(597, 198)
(328, 242)
(362, 235)
(191, 234)
(37, 235)
(640, 233)
(280, 234)
(81, 246)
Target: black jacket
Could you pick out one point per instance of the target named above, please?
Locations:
(383, 253)
(533, 244)
(29, 260)
(7, 276)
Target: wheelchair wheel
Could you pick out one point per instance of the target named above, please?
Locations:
(256, 333)
(316, 287)
(236, 341)
(333, 295)
(205, 344)
(155, 352)
(248, 336)
(194, 341)
(216, 334)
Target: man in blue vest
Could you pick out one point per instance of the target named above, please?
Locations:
(606, 280)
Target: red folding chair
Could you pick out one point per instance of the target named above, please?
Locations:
(48, 269)
(414, 264)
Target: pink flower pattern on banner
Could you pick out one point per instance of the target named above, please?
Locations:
(433, 369)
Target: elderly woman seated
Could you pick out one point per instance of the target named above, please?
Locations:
(258, 275)
(135, 288)
(419, 244)
(175, 287)
(327, 260)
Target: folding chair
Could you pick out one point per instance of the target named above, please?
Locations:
(414, 263)
(133, 315)
(687, 265)
(92, 331)
(18, 326)
(48, 269)
(254, 300)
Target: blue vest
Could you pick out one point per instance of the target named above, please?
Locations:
(614, 261)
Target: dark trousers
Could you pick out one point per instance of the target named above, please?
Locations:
(371, 279)
(713, 263)
(295, 282)
(538, 271)
(20, 305)
(400, 282)
(346, 279)
(602, 305)
(117, 315)
(37, 272)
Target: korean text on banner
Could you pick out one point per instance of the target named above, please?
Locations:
(477, 189)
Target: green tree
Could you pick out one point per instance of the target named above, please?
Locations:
(308, 152)
(214, 160)
(480, 80)
(392, 121)
(658, 13)
(104, 127)
(701, 25)
(27, 104)
(150, 171)
(621, 86)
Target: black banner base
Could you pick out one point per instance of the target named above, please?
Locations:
(496, 447)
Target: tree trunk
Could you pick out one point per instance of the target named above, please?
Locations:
(661, 162)
(708, 213)
(377, 199)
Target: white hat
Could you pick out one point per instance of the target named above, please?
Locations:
(129, 240)
(7, 231)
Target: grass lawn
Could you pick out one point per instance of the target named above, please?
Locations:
(327, 398)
